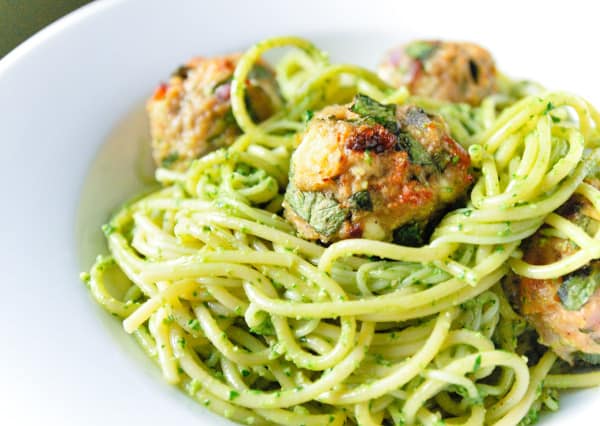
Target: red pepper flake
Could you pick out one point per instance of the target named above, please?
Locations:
(160, 92)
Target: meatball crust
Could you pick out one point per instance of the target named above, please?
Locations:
(191, 114)
(448, 71)
(570, 328)
(352, 176)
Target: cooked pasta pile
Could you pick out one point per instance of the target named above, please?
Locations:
(264, 327)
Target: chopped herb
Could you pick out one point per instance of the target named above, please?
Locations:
(233, 395)
(380, 360)
(593, 359)
(476, 364)
(420, 50)
(385, 115)
(379, 113)
(259, 72)
(194, 324)
(308, 115)
(442, 158)
(170, 159)
(361, 200)
(245, 372)
(532, 416)
(549, 107)
(474, 70)
(108, 229)
(321, 211)
(410, 235)
(416, 152)
(181, 71)
(265, 328)
(577, 287)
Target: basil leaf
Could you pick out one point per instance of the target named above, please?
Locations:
(593, 359)
(385, 115)
(259, 72)
(420, 50)
(181, 72)
(379, 113)
(320, 211)
(577, 288)
(410, 235)
(416, 152)
(170, 159)
(361, 200)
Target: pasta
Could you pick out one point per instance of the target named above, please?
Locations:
(264, 327)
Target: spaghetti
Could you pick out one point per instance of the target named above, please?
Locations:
(264, 327)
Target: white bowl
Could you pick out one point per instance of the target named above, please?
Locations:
(73, 138)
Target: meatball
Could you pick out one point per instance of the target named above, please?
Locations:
(374, 171)
(191, 114)
(448, 71)
(565, 311)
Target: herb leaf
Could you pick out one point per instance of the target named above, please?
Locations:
(476, 364)
(169, 160)
(420, 50)
(593, 359)
(577, 288)
(361, 200)
(416, 152)
(410, 235)
(379, 113)
(385, 115)
(321, 211)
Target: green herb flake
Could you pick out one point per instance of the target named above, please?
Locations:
(577, 288)
(308, 115)
(108, 229)
(194, 324)
(233, 395)
(420, 50)
(592, 359)
(380, 360)
(371, 109)
(410, 235)
(476, 364)
(416, 152)
(361, 200)
(321, 211)
(170, 159)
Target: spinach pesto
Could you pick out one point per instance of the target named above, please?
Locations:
(324, 250)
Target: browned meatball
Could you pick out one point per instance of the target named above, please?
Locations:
(565, 311)
(191, 115)
(449, 71)
(373, 171)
